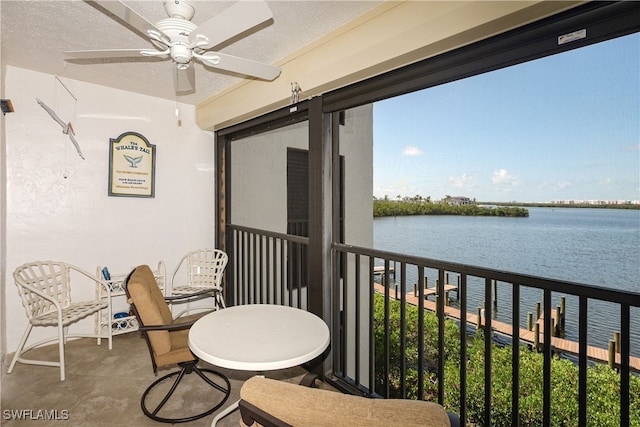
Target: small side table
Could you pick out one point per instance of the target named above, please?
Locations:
(258, 338)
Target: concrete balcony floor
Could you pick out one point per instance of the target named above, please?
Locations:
(103, 388)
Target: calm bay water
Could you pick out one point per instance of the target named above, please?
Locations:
(591, 246)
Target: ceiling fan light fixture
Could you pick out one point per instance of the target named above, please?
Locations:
(180, 53)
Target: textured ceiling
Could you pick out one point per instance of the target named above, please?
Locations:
(35, 33)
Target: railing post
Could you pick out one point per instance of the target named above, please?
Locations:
(495, 294)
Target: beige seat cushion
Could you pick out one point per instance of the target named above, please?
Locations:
(302, 406)
(169, 348)
(153, 310)
(179, 351)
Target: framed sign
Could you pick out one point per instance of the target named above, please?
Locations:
(132, 166)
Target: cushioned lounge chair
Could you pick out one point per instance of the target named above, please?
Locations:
(272, 403)
(167, 342)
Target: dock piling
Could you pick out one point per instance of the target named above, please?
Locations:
(612, 354)
(531, 338)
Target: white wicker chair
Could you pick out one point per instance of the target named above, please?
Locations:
(204, 270)
(44, 287)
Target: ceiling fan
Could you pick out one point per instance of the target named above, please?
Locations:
(178, 38)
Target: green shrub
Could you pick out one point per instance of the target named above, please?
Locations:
(385, 207)
(430, 348)
(603, 383)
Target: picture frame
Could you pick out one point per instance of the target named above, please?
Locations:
(132, 166)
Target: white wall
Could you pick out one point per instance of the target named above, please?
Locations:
(356, 145)
(259, 176)
(57, 207)
(3, 225)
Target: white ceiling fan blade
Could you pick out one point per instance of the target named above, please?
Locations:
(237, 19)
(184, 80)
(106, 53)
(128, 15)
(239, 65)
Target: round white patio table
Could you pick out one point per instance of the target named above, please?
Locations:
(258, 337)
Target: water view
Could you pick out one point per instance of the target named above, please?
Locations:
(598, 247)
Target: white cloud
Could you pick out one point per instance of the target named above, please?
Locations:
(502, 179)
(464, 181)
(553, 188)
(411, 150)
(560, 186)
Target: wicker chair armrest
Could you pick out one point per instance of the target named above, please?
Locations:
(42, 295)
(173, 276)
(85, 273)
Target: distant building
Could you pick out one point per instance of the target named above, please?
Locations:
(458, 201)
(595, 202)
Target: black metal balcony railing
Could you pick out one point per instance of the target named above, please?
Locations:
(260, 272)
(266, 267)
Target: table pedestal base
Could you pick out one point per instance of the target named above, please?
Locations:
(229, 409)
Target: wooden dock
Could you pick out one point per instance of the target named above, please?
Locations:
(528, 337)
(379, 269)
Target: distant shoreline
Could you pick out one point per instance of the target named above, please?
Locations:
(383, 208)
(563, 205)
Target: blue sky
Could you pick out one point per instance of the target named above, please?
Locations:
(564, 127)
